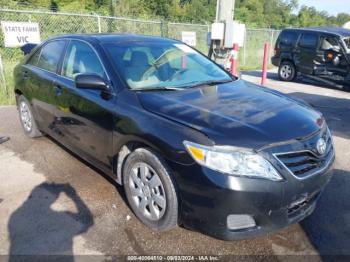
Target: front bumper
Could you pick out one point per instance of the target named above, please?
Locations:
(209, 197)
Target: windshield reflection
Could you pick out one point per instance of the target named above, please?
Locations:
(163, 65)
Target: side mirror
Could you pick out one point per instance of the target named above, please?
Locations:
(90, 81)
(27, 48)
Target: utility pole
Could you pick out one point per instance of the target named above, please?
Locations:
(224, 10)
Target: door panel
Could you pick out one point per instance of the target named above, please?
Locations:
(40, 84)
(306, 55)
(39, 74)
(84, 118)
(84, 121)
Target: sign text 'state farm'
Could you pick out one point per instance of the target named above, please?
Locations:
(17, 34)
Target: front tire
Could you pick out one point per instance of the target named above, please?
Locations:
(26, 118)
(150, 189)
(286, 71)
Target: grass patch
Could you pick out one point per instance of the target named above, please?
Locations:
(7, 95)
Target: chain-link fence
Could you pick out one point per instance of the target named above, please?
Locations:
(54, 23)
(252, 53)
(174, 30)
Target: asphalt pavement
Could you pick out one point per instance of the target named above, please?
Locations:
(52, 202)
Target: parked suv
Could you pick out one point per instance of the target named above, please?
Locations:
(320, 53)
(190, 143)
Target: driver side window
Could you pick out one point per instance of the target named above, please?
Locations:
(81, 59)
(329, 43)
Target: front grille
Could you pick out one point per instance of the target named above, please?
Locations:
(308, 162)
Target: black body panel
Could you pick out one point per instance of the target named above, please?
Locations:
(98, 124)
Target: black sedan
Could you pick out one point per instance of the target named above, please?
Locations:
(191, 144)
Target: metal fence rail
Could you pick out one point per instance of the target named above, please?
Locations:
(54, 23)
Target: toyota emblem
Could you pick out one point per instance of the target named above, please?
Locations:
(321, 146)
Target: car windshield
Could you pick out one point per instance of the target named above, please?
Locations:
(163, 65)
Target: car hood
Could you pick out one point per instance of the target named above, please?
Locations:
(238, 113)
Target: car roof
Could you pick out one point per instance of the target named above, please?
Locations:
(338, 31)
(115, 38)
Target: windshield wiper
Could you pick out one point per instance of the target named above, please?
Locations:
(208, 83)
(160, 88)
(183, 87)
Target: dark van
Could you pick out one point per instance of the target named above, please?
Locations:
(320, 53)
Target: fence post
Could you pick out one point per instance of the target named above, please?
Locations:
(272, 36)
(162, 28)
(271, 42)
(2, 74)
(244, 47)
(99, 23)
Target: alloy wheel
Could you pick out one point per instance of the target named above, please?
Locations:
(286, 71)
(26, 117)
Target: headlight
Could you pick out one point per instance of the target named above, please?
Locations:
(232, 161)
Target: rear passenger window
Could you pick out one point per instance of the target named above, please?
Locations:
(308, 40)
(50, 55)
(35, 58)
(288, 39)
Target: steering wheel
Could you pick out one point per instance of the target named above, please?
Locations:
(178, 73)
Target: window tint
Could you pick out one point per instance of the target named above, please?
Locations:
(81, 59)
(50, 55)
(308, 40)
(288, 38)
(35, 58)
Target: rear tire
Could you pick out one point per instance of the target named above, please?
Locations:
(150, 189)
(287, 71)
(26, 118)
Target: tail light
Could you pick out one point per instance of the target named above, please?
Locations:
(277, 51)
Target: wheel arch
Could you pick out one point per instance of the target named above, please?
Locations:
(18, 93)
(287, 59)
(123, 152)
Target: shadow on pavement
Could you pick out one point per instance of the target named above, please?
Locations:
(335, 110)
(257, 73)
(299, 79)
(118, 187)
(37, 229)
(328, 228)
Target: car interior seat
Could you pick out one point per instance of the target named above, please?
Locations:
(137, 67)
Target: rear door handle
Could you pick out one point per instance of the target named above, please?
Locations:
(25, 74)
(58, 89)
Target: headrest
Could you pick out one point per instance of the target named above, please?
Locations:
(139, 58)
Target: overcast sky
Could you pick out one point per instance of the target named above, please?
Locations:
(333, 7)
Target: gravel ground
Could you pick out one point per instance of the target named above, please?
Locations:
(52, 202)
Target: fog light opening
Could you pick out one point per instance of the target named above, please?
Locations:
(240, 222)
